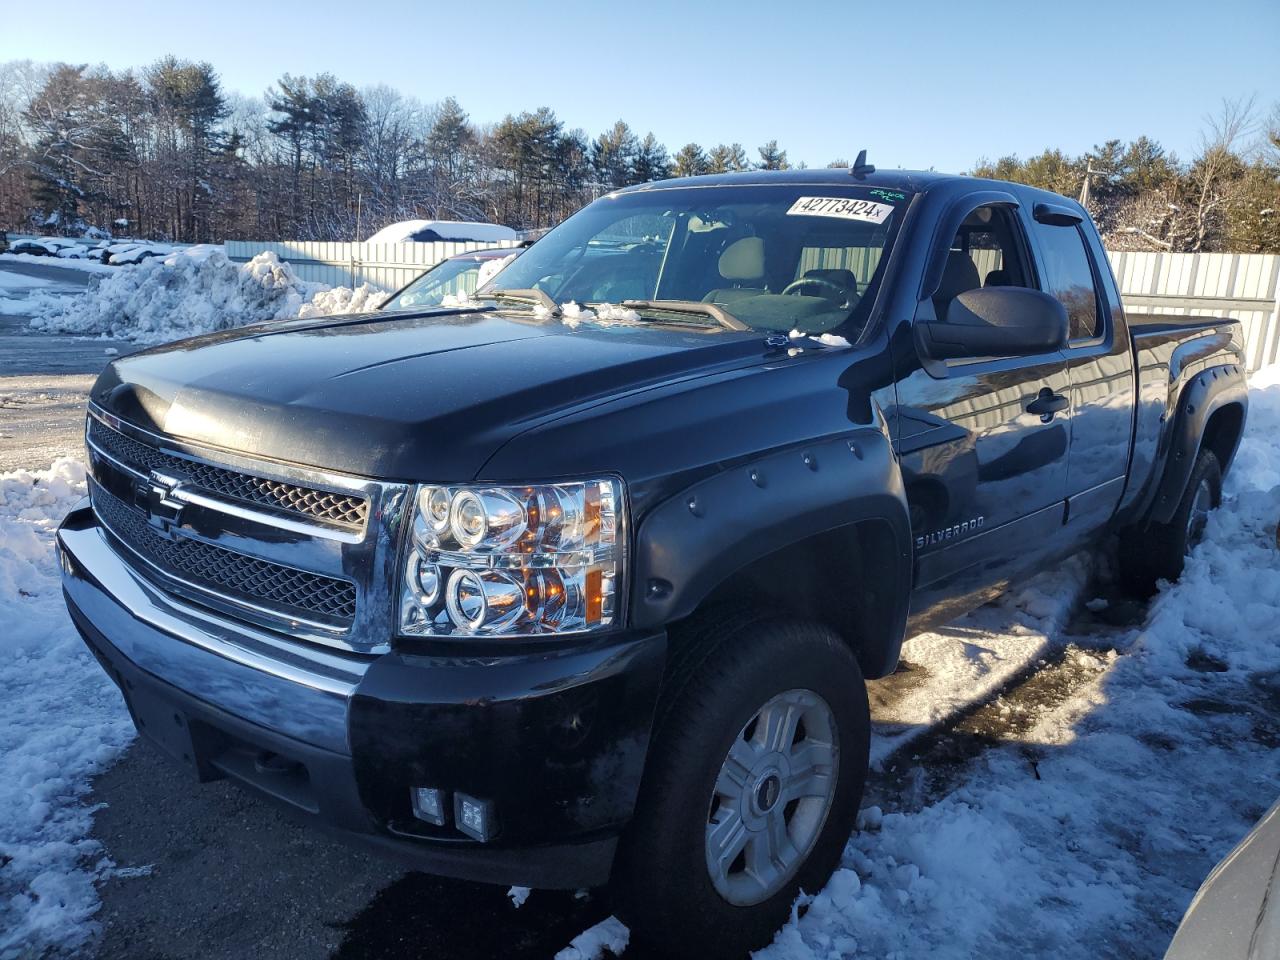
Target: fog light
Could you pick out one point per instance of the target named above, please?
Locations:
(428, 804)
(473, 817)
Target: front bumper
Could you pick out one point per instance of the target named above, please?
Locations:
(555, 741)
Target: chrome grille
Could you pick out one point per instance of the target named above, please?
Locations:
(336, 508)
(249, 579)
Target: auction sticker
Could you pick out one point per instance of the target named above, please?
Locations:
(842, 207)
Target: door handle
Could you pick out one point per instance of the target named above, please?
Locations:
(1048, 403)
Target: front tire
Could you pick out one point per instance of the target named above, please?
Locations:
(756, 771)
(1160, 551)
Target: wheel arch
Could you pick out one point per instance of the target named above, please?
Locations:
(1211, 413)
(819, 531)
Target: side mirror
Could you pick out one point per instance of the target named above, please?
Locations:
(995, 322)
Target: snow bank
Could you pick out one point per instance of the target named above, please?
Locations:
(190, 292)
(61, 721)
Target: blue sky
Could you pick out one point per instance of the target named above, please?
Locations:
(922, 84)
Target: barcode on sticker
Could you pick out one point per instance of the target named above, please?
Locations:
(843, 207)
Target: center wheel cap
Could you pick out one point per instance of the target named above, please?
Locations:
(768, 792)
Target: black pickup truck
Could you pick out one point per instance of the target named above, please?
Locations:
(578, 583)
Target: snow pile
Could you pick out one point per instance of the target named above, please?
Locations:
(192, 292)
(14, 290)
(336, 300)
(604, 315)
(61, 722)
(1088, 836)
(826, 339)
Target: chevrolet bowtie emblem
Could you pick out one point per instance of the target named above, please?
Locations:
(154, 496)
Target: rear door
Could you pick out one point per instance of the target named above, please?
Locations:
(985, 477)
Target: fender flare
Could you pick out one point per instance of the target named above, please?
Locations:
(1205, 394)
(691, 543)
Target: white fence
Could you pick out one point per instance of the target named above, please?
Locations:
(1244, 286)
(386, 265)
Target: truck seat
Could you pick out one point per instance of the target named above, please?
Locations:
(742, 261)
(959, 275)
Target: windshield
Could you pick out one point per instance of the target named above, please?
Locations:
(802, 256)
(457, 277)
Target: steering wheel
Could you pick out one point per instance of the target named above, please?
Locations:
(842, 294)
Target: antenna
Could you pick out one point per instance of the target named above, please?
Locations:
(860, 166)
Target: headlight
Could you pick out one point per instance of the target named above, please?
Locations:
(513, 560)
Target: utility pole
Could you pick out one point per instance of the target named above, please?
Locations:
(1088, 175)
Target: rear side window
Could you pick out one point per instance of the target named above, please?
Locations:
(1069, 277)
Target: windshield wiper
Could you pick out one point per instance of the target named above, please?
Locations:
(712, 310)
(530, 295)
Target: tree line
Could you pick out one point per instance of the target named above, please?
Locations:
(1225, 198)
(165, 152)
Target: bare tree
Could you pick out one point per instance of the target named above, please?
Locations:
(1210, 178)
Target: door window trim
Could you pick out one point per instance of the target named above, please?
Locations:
(1101, 306)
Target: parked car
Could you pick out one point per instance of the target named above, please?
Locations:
(580, 583)
(429, 231)
(456, 276)
(1236, 913)
(41, 246)
(125, 254)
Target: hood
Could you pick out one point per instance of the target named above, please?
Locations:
(395, 396)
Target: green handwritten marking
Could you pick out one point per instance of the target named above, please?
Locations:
(890, 195)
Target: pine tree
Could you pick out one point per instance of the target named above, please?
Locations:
(730, 158)
(771, 158)
(613, 155)
(651, 161)
(690, 161)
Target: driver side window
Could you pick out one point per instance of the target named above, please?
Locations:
(986, 251)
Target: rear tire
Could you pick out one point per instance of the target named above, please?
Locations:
(1160, 551)
(756, 771)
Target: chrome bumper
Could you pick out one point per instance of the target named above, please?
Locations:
(296, 691)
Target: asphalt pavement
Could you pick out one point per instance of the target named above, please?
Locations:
(45, 379)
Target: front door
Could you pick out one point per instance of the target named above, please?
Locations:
(982, 442)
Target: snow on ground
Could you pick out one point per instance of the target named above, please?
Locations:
(19, 282)
(1089, 836)
(970, 659)
(61, 722)
(193, 291)
(63, 263)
